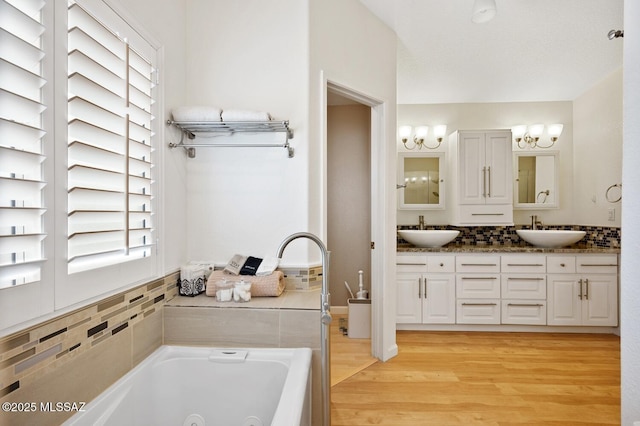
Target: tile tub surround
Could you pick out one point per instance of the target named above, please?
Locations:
(598, 237)
(74, 357)
(288, 321)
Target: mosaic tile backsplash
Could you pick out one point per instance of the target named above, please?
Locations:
(596, 236)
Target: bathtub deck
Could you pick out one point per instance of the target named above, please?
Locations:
(299, 300)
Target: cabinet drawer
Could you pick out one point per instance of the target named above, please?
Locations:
(488, 214)
(478, 264)
(561, 264)
(478, 286)
(411, 263)
(524, 286)
(600, 264)
(441, 264)
(469, 311)
(530, 263)
(525, 312)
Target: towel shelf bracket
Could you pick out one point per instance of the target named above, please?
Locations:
(191, 128)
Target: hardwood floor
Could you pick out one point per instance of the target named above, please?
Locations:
(459, 378)
(348, 356)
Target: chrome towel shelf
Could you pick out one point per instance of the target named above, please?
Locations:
(192, 128)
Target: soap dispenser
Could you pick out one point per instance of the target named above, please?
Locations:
(362, 293)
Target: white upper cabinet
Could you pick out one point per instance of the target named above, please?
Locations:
(482, 177)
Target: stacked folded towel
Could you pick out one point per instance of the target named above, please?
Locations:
(245, 115)
(197, 113)
(261, 286)
(267, 266)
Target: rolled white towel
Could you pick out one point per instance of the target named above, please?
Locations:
(196, 113)
(245, 115)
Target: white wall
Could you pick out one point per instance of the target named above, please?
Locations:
(351, 48)
(253, 55)
(597, 130)
(630, 269)
(496, 116)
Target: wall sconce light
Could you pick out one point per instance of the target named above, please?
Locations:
(420, 135)
(531, 135)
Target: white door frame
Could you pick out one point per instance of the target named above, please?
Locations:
(383, 339)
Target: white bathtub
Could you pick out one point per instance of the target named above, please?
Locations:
(180, 385)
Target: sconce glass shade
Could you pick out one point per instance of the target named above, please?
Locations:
(535, 130)
(421, 132)
(555, 130)
(439, 131)
(483, 11)
(404, 132)
(519, 131)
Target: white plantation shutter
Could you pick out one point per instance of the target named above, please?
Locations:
(21, 142)
(110, 119)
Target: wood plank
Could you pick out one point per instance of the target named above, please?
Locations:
(477, 378)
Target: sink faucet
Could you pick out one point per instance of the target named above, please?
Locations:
(421, 222)
(325, 319)
(535, 222)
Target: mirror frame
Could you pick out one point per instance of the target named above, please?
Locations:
(556, 163)
(441, 170)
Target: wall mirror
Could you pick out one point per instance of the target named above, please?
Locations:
(536, 176)
(420, 180)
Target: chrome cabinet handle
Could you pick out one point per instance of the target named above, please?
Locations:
(586, 286)
(489, 191)
(525, 304)
(598, 264)
(478, 278)
(425, 287)
(419, 288)
(525, 279)
(484, 182)
(525, 264)
(479, 304)
(478, 264)
(580, 284)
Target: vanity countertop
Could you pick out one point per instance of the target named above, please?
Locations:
(467, 248)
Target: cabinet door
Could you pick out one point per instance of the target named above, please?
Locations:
(439, 299)
(472, 168)
(408, 298)
(499, 184)
(564, 307)
(600, 300)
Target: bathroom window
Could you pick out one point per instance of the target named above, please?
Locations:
(111, 88)
(23, 89)
(78, 90)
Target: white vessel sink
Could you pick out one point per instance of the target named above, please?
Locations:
(550, 238)
(428, 237)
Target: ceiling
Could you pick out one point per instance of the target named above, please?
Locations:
(533, 50)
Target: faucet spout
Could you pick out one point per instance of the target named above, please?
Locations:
(421, 222)
(325, 320)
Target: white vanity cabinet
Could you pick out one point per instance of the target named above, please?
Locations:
(582, 290)
(478, 289)
(466, 290)
(425, 289)
(524, 289)
(482, 184)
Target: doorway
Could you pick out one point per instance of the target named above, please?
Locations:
(348, 230)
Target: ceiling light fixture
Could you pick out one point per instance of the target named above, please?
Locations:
(531, 135)
(483, 11)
